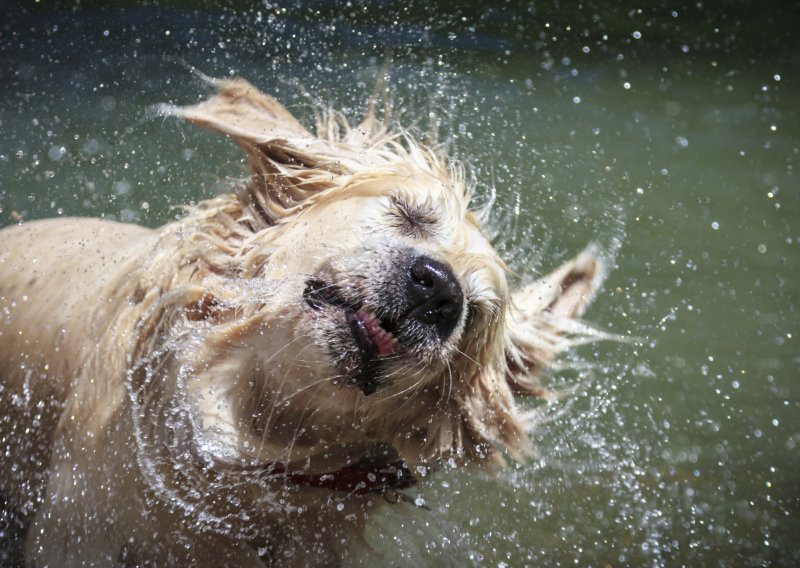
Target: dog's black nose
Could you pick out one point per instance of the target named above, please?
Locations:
(434, 295)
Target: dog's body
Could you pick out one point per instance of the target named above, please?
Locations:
(245, 385)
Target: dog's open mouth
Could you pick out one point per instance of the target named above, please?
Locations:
(371, 337)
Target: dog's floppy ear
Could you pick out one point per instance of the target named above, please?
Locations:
(542, 320)
(289, 164)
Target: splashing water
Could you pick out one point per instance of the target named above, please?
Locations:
(678, 448)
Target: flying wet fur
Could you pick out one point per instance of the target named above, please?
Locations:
(246, 385)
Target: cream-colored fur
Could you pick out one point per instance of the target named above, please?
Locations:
(167, 394)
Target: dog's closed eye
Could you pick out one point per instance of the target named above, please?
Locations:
(414, 220)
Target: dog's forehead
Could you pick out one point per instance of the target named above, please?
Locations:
(369, 195)
(445, 198)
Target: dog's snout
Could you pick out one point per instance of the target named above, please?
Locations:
(434, 295)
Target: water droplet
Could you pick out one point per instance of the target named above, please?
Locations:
(122, 187)
(56, 153)
(108, 103)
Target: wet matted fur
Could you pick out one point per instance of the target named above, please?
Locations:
(247, 384)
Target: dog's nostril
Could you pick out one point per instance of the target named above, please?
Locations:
(421, 273)
(434, 295)
(449, 310)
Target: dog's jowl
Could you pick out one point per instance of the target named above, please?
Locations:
(246, 385)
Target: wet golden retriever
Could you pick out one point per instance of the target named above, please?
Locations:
(246, 385)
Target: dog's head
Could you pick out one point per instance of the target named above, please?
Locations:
(392, 278)
(359, 299)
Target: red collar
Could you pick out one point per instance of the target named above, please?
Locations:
(359, 478)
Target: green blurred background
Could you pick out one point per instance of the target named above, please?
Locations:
(668, 133)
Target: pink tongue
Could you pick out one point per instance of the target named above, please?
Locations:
(383, 340)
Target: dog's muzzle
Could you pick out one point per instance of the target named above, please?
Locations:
(414, 306)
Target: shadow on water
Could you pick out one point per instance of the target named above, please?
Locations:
(670, 136)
